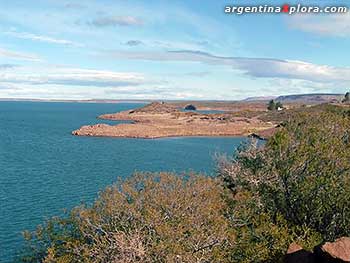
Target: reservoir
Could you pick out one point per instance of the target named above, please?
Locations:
(44, 169)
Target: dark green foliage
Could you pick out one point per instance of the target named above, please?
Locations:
(307, 164)
(297, 185)
(271, 105)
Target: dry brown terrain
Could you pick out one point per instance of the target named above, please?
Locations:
(158, 120)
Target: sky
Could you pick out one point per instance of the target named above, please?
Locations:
(191, 49)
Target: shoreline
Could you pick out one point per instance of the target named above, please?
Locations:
(173, 137)
(166, 120)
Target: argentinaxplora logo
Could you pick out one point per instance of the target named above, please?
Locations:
(285, 9)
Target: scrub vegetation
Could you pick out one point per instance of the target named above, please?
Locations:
(294, 188)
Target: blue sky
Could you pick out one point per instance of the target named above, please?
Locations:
(113, 49)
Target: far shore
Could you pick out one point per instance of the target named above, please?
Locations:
(161, 120)
(76, 101)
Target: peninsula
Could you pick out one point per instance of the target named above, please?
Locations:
(160, 119)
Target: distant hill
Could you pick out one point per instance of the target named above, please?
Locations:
(311, 98)
(260, 98)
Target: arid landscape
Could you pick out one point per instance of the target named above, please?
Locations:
(159, 119)
(211, 118)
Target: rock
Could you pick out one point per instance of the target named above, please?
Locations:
(190, 107)
(294, 247)
(329, 252)
(296, 254)
(256, 136)
(337, 251)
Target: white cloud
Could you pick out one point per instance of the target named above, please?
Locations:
(254, 67)
(337, 25)
(117, 21)
(40, 38)
(52, 82)
(73, 77)
(18, 55)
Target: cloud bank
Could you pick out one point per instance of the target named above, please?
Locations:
(74, 77)
(253, 67)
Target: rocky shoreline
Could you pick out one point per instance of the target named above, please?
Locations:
(158, 120)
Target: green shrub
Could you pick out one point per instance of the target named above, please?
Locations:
(148, 218)
(346, 98)
(297, 183)
(271, 105)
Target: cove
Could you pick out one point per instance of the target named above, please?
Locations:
(44, 169)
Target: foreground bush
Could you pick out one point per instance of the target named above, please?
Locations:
(296, 186)
(148, 218)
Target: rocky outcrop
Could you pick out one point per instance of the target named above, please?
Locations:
(90, 130)
(337, 251)
(329, 252)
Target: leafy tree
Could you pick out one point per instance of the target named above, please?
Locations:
(271, 105)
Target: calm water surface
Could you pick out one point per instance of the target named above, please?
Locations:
(43, 169)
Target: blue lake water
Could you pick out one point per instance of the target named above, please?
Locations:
(44, 169)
